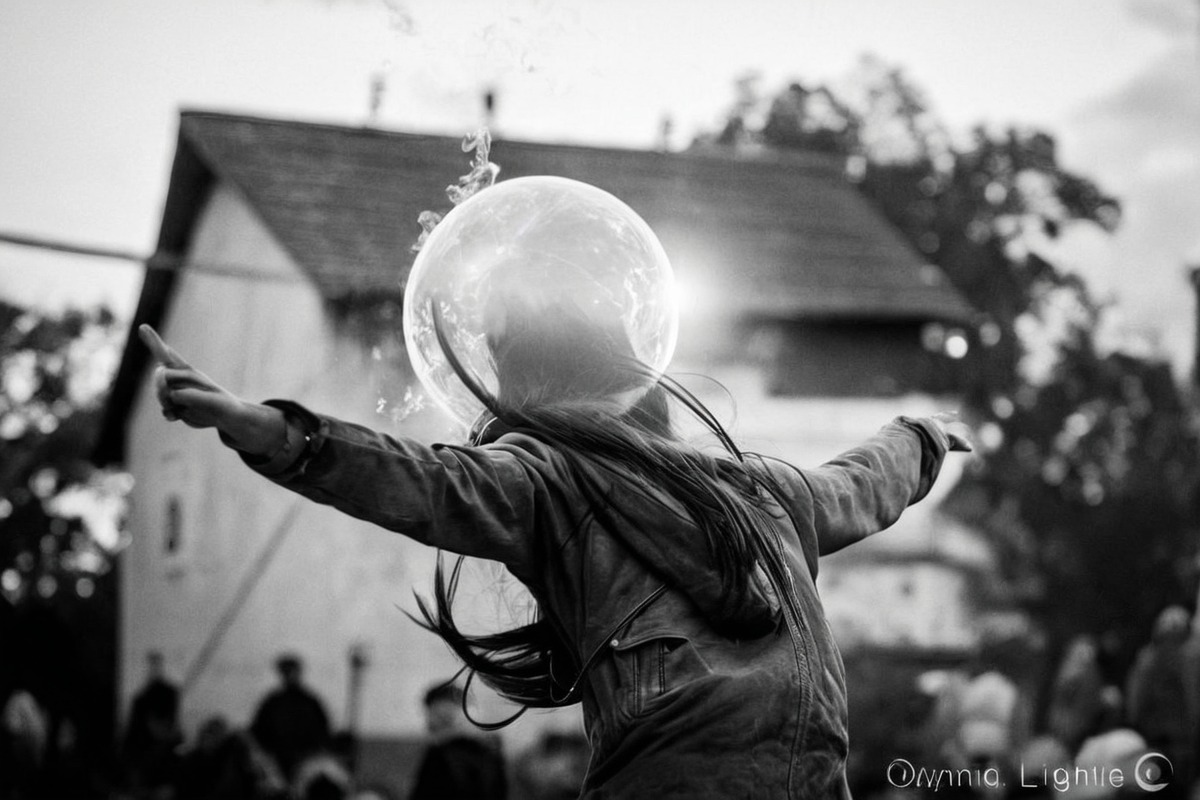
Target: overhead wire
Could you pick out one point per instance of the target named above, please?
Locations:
(166, 262)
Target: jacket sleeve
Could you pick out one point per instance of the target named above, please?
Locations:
(864, 490)
(477, 501)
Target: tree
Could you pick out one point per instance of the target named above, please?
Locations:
(1088, 484)
(60, 524)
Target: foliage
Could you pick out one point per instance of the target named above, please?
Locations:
(60, 517)
(1088, 483)
(60, 529)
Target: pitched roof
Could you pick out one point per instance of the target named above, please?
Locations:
(785, 237)
(777, 237)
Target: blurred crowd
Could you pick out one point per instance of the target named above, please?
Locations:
(989, 736)
(288, 751)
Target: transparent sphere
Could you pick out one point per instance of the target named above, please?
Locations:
(545, 287)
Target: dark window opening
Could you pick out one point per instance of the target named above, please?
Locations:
(173, 527)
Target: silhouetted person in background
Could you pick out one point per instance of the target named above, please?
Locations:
(1077, 701)
(553, 768)
(1157, 703)
(24, 742)
(152, 733)
(459, 763)
(291, 723)
(217, 765)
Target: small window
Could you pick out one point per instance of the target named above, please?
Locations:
(173, 526)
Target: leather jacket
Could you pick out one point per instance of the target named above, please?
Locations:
(672, 707)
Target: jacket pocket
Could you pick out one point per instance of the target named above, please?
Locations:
(649, 670)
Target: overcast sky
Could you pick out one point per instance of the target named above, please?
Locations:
(90, 92)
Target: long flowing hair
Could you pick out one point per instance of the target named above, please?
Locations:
(605, 447)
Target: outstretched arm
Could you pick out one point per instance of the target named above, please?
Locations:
(476, 501)
(864, 490)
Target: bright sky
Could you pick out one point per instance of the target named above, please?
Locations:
(91, 89)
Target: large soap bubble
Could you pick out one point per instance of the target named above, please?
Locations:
(542, 284)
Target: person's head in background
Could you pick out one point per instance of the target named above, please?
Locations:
(443, 711)
(290, 668)
(1171, 626)
(155, 665)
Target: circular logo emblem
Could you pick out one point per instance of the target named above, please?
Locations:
(1153, 772)
(900, 773)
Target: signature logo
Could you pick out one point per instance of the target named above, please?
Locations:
(1153, 772)
(900, 773)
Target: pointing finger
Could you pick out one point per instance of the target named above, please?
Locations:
(162, 352)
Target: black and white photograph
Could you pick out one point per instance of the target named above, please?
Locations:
(647, 399)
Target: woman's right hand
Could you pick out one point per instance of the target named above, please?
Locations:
(188, 395)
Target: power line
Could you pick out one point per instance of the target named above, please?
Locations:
(156, 261)
(341, 281)
(67, 247)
